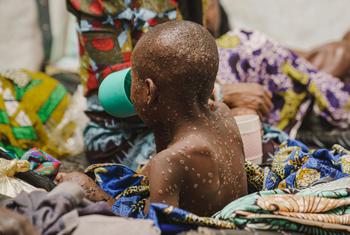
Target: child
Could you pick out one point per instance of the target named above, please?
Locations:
(200, 162)
(199, 166)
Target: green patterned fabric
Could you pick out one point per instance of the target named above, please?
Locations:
(3, 117)
(339, 189)
(32, 105)
(50, 105)
(24, 132)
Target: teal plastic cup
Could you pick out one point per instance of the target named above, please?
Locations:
(114, 94)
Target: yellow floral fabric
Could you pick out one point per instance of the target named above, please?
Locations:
(30, 111)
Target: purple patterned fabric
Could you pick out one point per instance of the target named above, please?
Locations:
(249, 56)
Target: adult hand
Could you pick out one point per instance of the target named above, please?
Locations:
(249, 96)
(333, 58)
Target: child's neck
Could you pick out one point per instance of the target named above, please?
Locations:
(176, 124)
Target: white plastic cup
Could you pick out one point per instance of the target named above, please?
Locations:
(250, 129)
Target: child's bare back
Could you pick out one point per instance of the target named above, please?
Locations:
(203, 169)
(200, 163)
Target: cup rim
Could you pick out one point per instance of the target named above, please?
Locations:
(128, 76)
(243, 119)
(110, 100)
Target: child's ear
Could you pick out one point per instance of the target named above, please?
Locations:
(152, 92)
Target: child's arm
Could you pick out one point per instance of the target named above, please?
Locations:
(165, 180)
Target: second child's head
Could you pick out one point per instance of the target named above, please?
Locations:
(174, 67)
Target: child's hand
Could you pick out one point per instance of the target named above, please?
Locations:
(92, 191)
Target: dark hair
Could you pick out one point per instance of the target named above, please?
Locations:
(192, 10)
(224, 22)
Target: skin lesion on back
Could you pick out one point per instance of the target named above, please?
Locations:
(165, 179)
(173, 170)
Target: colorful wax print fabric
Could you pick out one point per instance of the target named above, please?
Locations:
(321, 209)
(109, 29)
(31, 106)
(109, 140)
(172, 220)
(250, 56)
(41, 170)
(294, 166)
(42, 163)
(130, 189)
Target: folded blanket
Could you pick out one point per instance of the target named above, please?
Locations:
(321, 209)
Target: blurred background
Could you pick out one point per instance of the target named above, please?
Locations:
(299, 24)
(42, 36)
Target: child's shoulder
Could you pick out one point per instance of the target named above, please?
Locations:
(186, 150)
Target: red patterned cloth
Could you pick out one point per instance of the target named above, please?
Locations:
(109, 29)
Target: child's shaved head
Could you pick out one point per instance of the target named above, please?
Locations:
(179, 56)
(174, 68)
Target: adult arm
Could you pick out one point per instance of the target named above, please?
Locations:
(247, 96)
(250, 57)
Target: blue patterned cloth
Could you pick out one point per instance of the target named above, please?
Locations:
(296, 166)
(129, 188)
(338, 189)
(172, 220)
(131, 191)
(120, 141)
